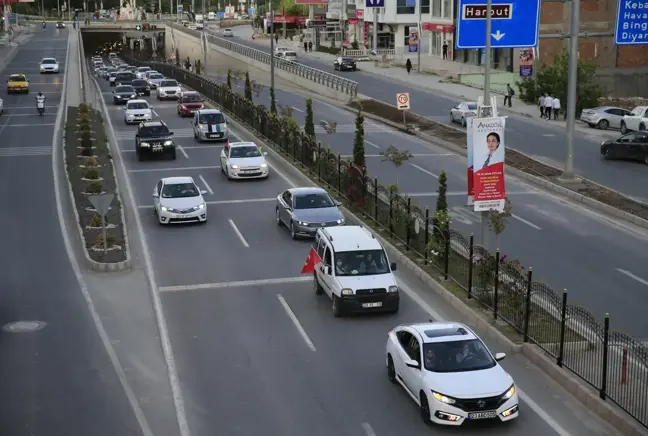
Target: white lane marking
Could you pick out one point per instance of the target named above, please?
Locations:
(8, 108)
(150, 170)
(296, 322)
(425, 171)
(216, 147)
(239, 284)
(297, 109)
(184, 153)
(202, 179)
(528, 223)
(548, 135)
(165, 338)
(372, 144)
(238, 233)
(27, 125)
(155, 113)
(368, 429)
(74, 263)
(532, 404)
(249, 200)
(31, 115)
(632, 276)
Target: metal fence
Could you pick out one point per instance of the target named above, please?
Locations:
(610, 361)
(320, 77)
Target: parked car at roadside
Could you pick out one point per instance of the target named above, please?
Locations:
(604, 117)
(636, 121)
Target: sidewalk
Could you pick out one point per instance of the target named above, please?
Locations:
(8, 49)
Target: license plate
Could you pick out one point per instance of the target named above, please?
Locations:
(182, 217)
(368, 305)
(482, 415)
(157, 148)
(215, 135)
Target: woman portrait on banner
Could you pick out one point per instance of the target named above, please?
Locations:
(493, 153)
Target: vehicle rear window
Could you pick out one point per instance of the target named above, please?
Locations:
(143, 69)
(156, 76)
(128, 76)
(189, 98)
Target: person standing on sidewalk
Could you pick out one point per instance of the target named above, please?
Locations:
(276, 36)
(444, 49)
(541, 102)
(548, 106)
(556, 107)
(408, 66)
(310, 46)
(509, 94)
(305, 46)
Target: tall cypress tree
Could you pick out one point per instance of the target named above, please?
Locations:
(248, 87)
(358, 142)
(229, 79)
(273, 102)
(442, 200)
(309, 126)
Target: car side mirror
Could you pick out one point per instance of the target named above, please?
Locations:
(327, 270)
(265, 153)
(393, 266)
(500, 356)
(412, 363)
(155, 195)
(203, 192)
(170, 133)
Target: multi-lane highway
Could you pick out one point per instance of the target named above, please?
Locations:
(599, 260)
(55, 375)
(256, 351)
(532, 136)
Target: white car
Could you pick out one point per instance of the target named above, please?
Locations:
(227, 33)
(281, 50)
(137, 111)
(168, 88)
(154, 80)
(49, 65)
(178, 200)
(1, 106)
(111, 77)
(141, 72)
(450, 373)
(637, 121)
(461, 112)
(243, 160)
(210, 125)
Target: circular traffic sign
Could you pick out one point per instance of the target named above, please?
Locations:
(403, 98)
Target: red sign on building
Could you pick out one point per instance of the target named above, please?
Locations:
(438, 27)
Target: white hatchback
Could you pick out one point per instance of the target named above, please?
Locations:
(450, 373)
(137, 111)
(49, 65)
(244, 160)
(178, 200)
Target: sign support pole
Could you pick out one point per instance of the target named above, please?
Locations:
(103, 233)
(420, 35)
(272, 54)
(572, 78)
(487, 101)
(375, 29)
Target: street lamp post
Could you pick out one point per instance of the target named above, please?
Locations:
(487, 113)
(272, 56)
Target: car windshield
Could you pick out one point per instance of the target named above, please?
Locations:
(138, 105)
(313, 201)
(246, 151)
(361, 263)
(472, 106)
(180, 190)
(125, 76)
(143, 69)
(158, 130)
(124, 89)
(457, 356)
(140, 83)
(191, 98)
(49, 61)
(168, 83)
(17, 78)
(112, 74)
(213, 118)
(347, 60)
(156, 76)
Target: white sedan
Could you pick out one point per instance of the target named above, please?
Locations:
(178, 200)
(49, 65)
(137, 111)
(243, 160)
(450, 373)
(461, 112)
(637, 121)
(227, 33)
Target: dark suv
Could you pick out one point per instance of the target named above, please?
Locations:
(124, 78)
(141, 87)
(154, 139)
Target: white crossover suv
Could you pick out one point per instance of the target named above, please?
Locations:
(450, 373)
(168, 89)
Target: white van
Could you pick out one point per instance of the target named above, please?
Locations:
(211, 16)
(355, 271)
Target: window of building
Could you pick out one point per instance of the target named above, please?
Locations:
(447, 9)
(436, 8)
(425, 6)
(402, 8)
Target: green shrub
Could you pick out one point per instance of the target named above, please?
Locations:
(90, 162)
(110, 239)
(86, 151)
(95, 221)
(86, 139)
(95, 188)
(92, 174)
(84, 127)
(84, 108)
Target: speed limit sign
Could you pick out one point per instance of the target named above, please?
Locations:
(402, 101)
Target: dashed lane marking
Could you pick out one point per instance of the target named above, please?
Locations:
(177, 169)
(25, 151)
(249, 200)
(237, 284)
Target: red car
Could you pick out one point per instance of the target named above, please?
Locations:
(189, 103)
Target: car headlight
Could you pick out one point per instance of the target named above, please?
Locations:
(145, 144)
(168, 142)
(340, 221)
(393, 289)
(302, 223)
(133, 96)
(234, 167)
(346, 292)
(264, 165)
(202, 206)
(164, 208)
(443, 398)
(509, 393)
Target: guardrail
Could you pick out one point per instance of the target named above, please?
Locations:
(320, 77)
(389, 52)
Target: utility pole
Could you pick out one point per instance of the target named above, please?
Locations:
(272, 54)
(568, 173)
(374, 11)
(418, 48)
(342, 26)
(487, 113)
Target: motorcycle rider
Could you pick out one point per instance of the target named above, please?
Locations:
(43, 24)
(40, 98)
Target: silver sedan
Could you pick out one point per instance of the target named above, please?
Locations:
(461, 112)
(604, 117)
(304, 210)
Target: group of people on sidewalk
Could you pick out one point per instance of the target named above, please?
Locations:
(549, 106)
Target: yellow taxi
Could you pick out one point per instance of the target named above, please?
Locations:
(17, 83)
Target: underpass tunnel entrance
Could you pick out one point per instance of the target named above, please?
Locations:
(149, 45)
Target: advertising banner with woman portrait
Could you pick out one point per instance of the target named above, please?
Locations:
(469, 158)
(488, 164)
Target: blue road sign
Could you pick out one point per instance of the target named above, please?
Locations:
(631, 24)
(514, 24)
(375, 3)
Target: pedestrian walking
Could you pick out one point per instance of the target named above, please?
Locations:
(541, 102)
(548, 106)
(305, 46)
(408, 66)
(444, 49)
(509, 94)
(310, 46)
(556, 107)
(276, 38)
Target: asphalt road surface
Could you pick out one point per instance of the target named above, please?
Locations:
(531, 136)
(235, 304)
(599, 260)
(57, 380)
